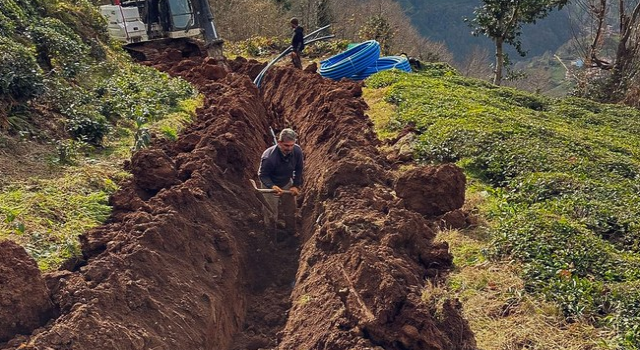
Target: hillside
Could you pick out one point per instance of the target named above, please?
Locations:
(558, 181)
(185, 258)
(438, 212)
(443, 20)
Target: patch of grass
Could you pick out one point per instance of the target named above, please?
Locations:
(46, 215)
(381, 113)
(434, 296)
(500, 312)
(559, 179)
(171, 125)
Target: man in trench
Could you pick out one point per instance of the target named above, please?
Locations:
(281, 169)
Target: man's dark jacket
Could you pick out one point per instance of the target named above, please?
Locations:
(278, 169)
(297, 41)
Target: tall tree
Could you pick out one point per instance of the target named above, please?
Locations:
(612, 44)
(502, 21)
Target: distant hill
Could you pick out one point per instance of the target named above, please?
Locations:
(442, 20)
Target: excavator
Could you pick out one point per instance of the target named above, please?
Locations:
(144, 26)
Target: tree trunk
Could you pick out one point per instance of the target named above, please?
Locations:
(497, 77)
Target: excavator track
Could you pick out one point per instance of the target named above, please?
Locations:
(174, 48)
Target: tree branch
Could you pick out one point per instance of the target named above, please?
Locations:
(600, 15)
(512, 20)
(630, 25)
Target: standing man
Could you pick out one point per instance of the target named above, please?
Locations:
(281, 169)
(297, 42)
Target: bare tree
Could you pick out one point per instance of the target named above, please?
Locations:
(242, 19)
(611, 42)
(354, 14)
(314, 13)
(477, 64)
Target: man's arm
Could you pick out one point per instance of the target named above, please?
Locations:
(297, 179)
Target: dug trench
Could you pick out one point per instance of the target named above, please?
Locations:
(185, 261)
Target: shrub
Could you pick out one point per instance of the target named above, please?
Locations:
(259, 46)
(383, 79)
(88, 127)
(438, 69)
(13, 16)
(59, 47)
(522, 99)
(564, 178)
(20, 76)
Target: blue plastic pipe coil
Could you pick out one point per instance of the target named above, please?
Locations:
(383, 63)
(352, 61)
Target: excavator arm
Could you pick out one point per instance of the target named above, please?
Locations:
(213, 43)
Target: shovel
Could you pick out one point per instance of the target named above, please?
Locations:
(264, 202)
(265, 190)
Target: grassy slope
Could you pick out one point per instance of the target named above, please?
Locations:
(59, 71)
(558, 181)
(45, 213)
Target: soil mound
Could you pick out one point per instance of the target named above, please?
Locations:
(186, 263)
(432, 190)
(24, 299)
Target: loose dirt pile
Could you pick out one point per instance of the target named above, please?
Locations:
(186, 263)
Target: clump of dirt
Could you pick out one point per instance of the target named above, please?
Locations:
(432, 190)
(153, 170)
(185, 261)
(24, 299)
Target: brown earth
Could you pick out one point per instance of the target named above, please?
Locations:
(24, 299)
(186, 263)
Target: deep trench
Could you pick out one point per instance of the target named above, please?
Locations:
(193, 267)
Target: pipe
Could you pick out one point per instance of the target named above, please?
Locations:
(351, 61)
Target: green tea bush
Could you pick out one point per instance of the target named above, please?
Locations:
(523, 99)
(59, 47)
(88, 127)
(13, 16)
(113, 92)
(81, 16)
(564, 183)
(120, 93)
(462, 81)
(438, 69)
(20, 76)
(383, 79)
(7, 27)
